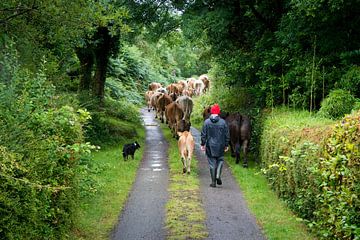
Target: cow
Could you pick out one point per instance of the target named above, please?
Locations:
(174, 115)
(129, 150)
(240, 133)
(198, 87)
(173, 88)
(186, 146)
(205, 79)
(191, 82)
(148, 95)
(153, 100)
(161, 103)
(186, 104)
(154, 86)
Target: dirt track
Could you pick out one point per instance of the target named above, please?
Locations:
(143, 216)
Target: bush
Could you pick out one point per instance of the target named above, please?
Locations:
(41, 146)
(337, 104)
(315, 169)
(113, 122)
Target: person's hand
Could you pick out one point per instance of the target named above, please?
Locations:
(202, 148)
(226, 149)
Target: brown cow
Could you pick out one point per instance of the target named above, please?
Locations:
(153, 100)
(154, 86)
(240, 133)
(173, 88)
(186, 146)
(161, 103)
(174, 115)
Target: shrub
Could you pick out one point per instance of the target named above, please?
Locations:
(337, 104)
(41, 146)
(315, 169)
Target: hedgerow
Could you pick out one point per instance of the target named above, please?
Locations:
(314, 166)
(41, 150)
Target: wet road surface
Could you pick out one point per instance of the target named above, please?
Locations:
(228, 216)
(143, 216)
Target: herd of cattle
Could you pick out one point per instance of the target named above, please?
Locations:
(173, 105)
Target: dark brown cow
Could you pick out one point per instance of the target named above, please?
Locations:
(174, 115)
(240, 133)
(162, 102)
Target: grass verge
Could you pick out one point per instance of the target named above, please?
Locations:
(99, 212)
(272, 214)
(185, 215)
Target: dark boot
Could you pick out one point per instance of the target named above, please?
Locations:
(213, 177)
(218, 173)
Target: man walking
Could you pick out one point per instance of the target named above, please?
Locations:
(215, 139)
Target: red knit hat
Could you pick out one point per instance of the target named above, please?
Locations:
(215, 109)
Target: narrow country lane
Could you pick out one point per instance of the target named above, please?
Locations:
(144, 213)
(228, 216)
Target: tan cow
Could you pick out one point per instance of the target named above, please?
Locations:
(186, 146)
(205, 79)
(148, 95)
(199, 87)
(186, 104)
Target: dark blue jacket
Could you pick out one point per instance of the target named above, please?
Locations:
(215, 136)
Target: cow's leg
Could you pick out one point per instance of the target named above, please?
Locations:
(232, 149)
(162, 116)
(237, 152)
(245, 151)
(190, 153)
(183, 160)
(188, 164)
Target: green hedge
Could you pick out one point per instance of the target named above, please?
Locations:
(314, 166)
(41, 150)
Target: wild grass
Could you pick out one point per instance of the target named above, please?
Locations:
(185, 215)
(99, 213)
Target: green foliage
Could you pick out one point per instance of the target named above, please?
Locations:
(114, 122)
(315, 169)
(41, 147)
(337, 104)
(337, 215)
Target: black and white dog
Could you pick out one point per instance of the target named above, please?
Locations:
(129, 149)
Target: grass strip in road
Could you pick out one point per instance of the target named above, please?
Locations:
(99, 212)
(185, 215)
(272, 214)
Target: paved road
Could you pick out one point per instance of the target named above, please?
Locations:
(144, 213)
(228, 216)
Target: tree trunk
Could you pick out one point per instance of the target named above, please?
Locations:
(86, 58)
(102, 55)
